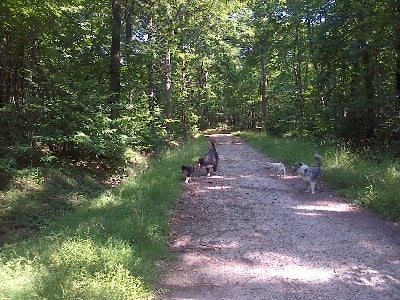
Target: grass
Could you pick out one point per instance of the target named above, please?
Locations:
(372, 182)
(74, 238)
(77, 239)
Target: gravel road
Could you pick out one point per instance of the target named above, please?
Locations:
(243, 234)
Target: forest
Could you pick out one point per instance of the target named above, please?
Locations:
(94, 78)
(101, 101)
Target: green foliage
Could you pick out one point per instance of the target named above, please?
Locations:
(367, 181)
(79, 239)
(187, 65)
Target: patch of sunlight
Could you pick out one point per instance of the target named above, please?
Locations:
(362, 275)
(310, 214)
(17, 279)
(264, 268)
(335, 207)
(219, 187)
(303, 273)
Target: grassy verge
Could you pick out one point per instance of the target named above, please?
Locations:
(373, 182)
(76, 239)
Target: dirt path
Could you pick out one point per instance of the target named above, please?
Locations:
(245, 235)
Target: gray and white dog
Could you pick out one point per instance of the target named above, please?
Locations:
(312, 175)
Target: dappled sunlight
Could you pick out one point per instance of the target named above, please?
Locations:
(310, 214)
(219, 187)
(282, 269)
(366, 276)
(217, 177)
(258, 270)
(332, 207)
(247, 235)
(303, 273)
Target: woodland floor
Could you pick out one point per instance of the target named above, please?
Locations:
(243, 234)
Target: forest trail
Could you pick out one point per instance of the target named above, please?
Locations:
(246, 235)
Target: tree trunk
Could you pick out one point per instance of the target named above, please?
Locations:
(299, 88)
(151, 64)
(168, 84)
(264, 86)
(115, 82)
(397, 43)
(128, 31)
(368, 78)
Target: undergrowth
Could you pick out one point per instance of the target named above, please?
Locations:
(368, 181)
(74, 238)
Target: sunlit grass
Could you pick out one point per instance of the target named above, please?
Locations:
(105, 247)
(364, 180)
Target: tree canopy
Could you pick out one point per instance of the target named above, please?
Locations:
(95, 77)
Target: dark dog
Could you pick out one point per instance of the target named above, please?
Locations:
(209, 160)
(189, 172)
(312, 175)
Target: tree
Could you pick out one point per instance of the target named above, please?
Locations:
(115, 74)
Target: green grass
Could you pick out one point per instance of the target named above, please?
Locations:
(366, 181)
(85, 241)
(73, 238)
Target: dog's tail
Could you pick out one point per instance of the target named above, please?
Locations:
(213, 145)
(318, 158)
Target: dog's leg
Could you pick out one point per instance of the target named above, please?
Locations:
(312, 185)
(208, 171)
(187, 180)
(308, 187)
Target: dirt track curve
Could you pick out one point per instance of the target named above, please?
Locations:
(243, 234)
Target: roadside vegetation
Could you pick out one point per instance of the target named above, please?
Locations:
(66, 233)
(82, 231)
(367, 178)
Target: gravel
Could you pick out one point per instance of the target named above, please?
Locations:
(243, 234)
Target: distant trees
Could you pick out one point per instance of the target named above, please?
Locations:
(333, 67)
(94, 77)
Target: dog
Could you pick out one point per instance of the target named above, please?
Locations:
(209, 160)
(312, 175)
(277, 168)
(189, 172)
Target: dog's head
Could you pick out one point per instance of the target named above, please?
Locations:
(200, 162)
(268, 166)
(296, 168)
(187, 169)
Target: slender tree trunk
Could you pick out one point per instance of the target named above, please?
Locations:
(298, 75)
(299, 88)
(397, 43)
(368, 78)
(128, 26)
(264, 86)
(151, 87)
(151, 64)
(115, 82)
(168, 84)
(128, 30)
